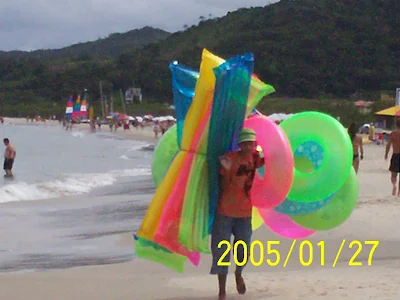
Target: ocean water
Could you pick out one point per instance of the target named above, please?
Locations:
(73, 195)
(52, 162)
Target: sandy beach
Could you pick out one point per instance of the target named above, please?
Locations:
(375, 218)
(145, 134)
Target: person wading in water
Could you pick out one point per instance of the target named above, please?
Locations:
(9, 156)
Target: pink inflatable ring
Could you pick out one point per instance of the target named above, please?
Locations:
(271, 190)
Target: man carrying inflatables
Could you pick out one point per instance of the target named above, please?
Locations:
(234, 210)
(394, 141)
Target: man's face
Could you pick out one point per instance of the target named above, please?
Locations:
(247, 147)
(6, 143)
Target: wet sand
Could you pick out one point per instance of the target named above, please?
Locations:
(71, 231)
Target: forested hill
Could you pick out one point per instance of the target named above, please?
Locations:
(309, 48)
(111, 46)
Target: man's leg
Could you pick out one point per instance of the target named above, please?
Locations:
(398, 192)
(10, 163)
(5, 166)
(242, 231)
(222, 230)
(393, 179)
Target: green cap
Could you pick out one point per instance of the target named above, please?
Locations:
(247, 135)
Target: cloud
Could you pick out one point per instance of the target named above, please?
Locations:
(42, 24)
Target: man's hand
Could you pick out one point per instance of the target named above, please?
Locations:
(226, 162)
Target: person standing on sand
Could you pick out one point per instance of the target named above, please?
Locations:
(234, 210)
(9, 156)
(394, 141)
(156, 129)
(371, 132)
(357, 143)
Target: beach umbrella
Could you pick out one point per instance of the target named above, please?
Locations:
(123, 117)
(139, 119)
(131, 118)
(150, 117)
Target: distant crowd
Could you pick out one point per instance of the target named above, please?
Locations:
(160, 125)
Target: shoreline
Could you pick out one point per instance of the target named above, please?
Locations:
(134, 134)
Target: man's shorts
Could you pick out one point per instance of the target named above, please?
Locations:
(8, 164)
(223, 228)
(395, 163)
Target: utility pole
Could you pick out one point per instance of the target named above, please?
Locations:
(101, 100)
(122, 100)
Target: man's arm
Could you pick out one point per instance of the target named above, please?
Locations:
(259, 161)
(389, 144)
(13, 153)
(225, 171)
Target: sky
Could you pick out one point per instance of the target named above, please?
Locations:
(50, 24)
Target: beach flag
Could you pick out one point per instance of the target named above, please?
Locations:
(68, 110)
(83, 112)
(77, 108)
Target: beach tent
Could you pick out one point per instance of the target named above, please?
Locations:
(391, 111)
(388, 116)
(279, 116)
(170, 118)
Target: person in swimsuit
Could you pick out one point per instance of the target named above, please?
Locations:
(394, 142)
(233, 215)
(9, 156)
(358, 149)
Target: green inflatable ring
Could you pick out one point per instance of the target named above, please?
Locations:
(337, 155)
(164, 153)
(336, 211)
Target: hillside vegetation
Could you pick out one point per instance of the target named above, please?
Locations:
(305, 49)
(111, 46)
